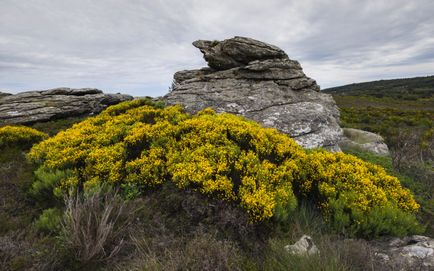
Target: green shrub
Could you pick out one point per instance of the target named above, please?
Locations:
(305, 219)
(139, 146)
(418, 178)
(379, 221)
(388, 220)
(45, 186)
(21, 136)
(348, 191)
(49, 220)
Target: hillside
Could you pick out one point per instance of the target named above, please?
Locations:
(405, 88)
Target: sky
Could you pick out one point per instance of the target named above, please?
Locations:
(135, 46)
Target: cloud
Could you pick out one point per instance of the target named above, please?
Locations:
(135, 46)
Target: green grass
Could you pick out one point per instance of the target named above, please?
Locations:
(384, 116)
(387, 116)
(277, 258)
(16, 176)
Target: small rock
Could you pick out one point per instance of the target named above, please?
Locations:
(304, 246)
(409, 253)
(415, 247)
(363, 140)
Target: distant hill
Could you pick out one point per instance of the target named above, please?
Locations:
(406, 88)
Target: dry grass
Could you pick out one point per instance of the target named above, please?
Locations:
(95, 226)
(13, 249)
(203, 251)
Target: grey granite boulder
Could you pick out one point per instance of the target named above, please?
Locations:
(258, 80)
(408, 253)
(238, 51)
(303, 247)
(36, 106)
(363, 140)
(2, 94)
(414, 252)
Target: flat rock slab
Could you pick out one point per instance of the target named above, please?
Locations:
(2, 94)
(37, 106)
(258, 81)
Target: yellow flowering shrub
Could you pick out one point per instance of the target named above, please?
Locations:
(140, 144)
(348, 188)
(327, 176)
(235, 159)
(21, 136)
(219, 155)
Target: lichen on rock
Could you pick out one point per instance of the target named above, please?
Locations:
(258, 81)
(43, 105)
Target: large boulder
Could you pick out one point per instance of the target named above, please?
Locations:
(235, 52)
(257, 80)
(35, 106)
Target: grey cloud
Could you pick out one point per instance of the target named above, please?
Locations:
(135, 46)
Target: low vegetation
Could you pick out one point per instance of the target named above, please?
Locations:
(138, 146)
(401, 89)
(147, 187)
(402, 111)
(21, 136)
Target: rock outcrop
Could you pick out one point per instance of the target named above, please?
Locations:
(35, 106)
(409, 253)
(258, 80)
(2, 94)
(363, 140)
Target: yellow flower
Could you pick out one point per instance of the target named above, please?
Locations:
(219, 155)
(19, 135)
